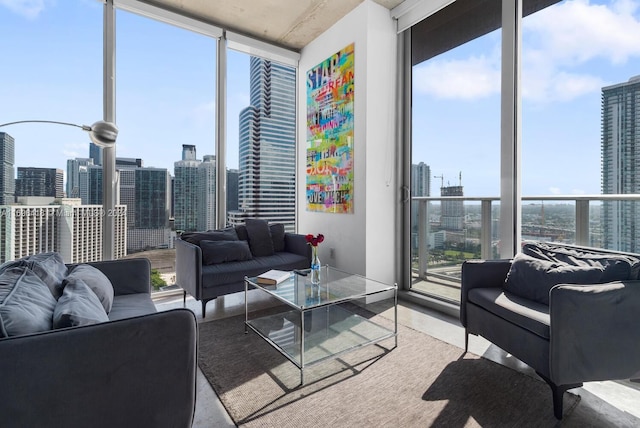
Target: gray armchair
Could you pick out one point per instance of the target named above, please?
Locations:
(586, 332)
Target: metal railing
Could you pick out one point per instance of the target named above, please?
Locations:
(581, 230)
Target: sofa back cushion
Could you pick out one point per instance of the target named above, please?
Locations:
(259, 237)
(533, 278)
(214, 252)
(26, 303)
(277, 236)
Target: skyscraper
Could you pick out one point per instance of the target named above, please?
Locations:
(620, 160)
(266, 182)
(73, 175)
(185, 196)
(207, 190)
(7, 173)
(40, 182)
(420, 180)
(95, 153)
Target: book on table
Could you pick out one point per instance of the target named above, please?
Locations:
(273, 277)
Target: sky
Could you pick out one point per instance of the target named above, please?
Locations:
(570, 51)
(165, 90)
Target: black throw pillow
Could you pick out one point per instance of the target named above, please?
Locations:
(226, 234)
(214, 252)
(259, 237)
(277, 236)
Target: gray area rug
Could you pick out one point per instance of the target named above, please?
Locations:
(423, 382)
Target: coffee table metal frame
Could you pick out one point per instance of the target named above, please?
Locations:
(336, 287)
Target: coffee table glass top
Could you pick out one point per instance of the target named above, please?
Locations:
(335, 286)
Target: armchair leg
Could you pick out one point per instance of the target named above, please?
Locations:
(466, 340)
(557, 392)
(204, 307)
(184, 299)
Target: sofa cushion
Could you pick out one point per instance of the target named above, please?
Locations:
(49, 267)
(277, 236)
(259, 237)
(26, 303)
(234, 272)
(224, 251)
(97, 282)
(241, 230)
(533, 278)
(227, 234)
(77, 306)
(581, 257)
(131, 305)
(528, 314)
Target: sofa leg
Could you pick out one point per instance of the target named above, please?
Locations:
(466, 340)
(557, 392)
(204, 307)
(184, 299)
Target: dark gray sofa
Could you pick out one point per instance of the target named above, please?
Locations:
(138, 369)
(205, 282)
(568, 312)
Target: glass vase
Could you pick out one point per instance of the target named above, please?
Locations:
(315, 266)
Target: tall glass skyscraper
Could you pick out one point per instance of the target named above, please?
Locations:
(266, 182)
(621, 164)
(7, 173)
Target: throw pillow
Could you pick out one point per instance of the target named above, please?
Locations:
(97, 282)
(612, 263)
(277, 236)
(49, 267)
(241, 230)
(227, 234)
(533, 278)
(214, 252)
(77, 306)
(259, 237)
(26, 303)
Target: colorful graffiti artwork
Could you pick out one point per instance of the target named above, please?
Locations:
(330, 134)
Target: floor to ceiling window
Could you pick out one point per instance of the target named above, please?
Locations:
(455, 150)
(581, 98)
(165, 104)
(51, 70)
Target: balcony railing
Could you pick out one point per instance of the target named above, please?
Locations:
(466, 227)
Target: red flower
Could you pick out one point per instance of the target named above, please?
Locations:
(314, 240)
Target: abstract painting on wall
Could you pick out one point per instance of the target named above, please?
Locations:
(330, 134)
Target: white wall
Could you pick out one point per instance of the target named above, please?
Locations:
(363, 241)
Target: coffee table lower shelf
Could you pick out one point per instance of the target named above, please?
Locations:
(310, 337)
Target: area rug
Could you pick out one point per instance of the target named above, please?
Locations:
(423, 382)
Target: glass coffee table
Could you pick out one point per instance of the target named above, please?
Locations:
(311, 323)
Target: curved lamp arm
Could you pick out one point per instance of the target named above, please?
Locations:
(102, 134)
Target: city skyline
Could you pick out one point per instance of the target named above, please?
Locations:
(571, 50)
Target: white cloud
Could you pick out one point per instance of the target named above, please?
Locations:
(555, 191)
(472, 78)
(558, 44)
(30, 9)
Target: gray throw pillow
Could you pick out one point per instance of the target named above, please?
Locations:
(26, 303)
(97, 282)
(611, 263)
(49, 267)
(277, 236)
(259, 237)
(78, 306)
(227, 234)
(214, 252)
(533, 278)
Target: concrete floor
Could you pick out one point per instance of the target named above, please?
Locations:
(603, 404)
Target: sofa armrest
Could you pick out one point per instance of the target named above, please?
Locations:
(133, 372)
(128, 276)
(297, 244)
(189, 268)
(594, 332)
(481, 274)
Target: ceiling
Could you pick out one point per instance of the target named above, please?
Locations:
(290, 24)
